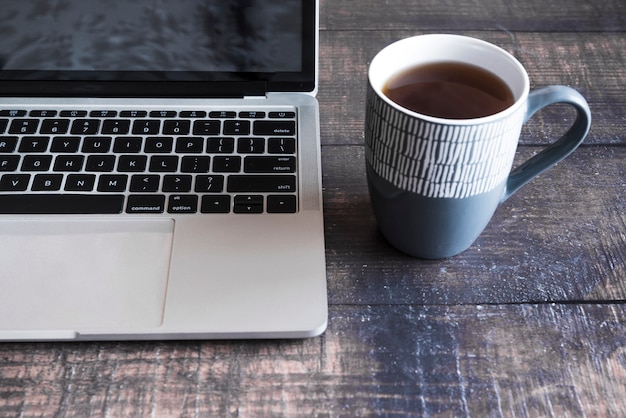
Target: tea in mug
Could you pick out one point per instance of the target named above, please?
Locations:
(450, 90)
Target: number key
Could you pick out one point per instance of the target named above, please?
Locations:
(24, 126)
(146, 127)
(85, 127)
(176, 127)
(116, 127)
(55, 126)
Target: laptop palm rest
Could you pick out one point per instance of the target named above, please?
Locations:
(59, 274)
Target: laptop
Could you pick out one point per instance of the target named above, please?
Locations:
(160, 170)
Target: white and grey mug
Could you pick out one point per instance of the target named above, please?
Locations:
(435, 183)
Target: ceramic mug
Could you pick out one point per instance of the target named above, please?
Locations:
(435, 183)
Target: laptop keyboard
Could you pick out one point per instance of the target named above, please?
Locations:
(147, 162)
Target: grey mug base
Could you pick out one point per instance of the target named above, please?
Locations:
(429, 228)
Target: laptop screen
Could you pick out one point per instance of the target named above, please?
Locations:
(181, 48)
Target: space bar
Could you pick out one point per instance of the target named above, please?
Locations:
(60, 204)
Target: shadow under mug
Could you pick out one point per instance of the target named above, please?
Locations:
(435, 183)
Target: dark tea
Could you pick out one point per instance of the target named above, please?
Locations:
(450, 90)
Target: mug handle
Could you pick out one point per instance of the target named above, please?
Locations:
(557, 151)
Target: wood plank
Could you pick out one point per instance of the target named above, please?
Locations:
(487, 15)
(511, 360)
(560, 238)
(592, 63)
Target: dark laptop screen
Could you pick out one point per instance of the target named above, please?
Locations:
(156, 47)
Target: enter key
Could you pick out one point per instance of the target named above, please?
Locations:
(267, 164)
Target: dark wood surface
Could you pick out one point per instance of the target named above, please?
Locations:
(529, 322)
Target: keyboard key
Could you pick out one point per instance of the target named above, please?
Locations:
(159, 144)
(80, 182)
(252, 115)
(112, 183)
(236, 127)
(222, 115)
(132, 163)
(73, 113)
(190, 145)
(221, 145)
(182, 204)
(193, 114)
(8, 144)
(282, 115)
(275, 128)
(195, 164)
(145, 183)
(254, 164)
(145, 204)
(127, 144)
(209, 184)
(100, 163)
(103, 113)
(4, 123)
(116, 127)
(36, 162)
(43, 113)
(133, 114)
(215, 204)
(55, 126)
(251, 145)
(69, 163)
(65, 144)
(177, 184)
(281, 204)
(230, 164)
(96, 144)
(13, 113)
(9, 162)
(14, 183)
(176, 127)
(163, 114)
(61, 204)
(34, 144)
(164, 164)
(261, 183)
(248, 204)
(281, 145)
(207, 127)
(146, 127)
(24, 126)
(85, 127)
(47, 182)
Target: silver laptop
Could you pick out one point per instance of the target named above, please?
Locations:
(160, 170)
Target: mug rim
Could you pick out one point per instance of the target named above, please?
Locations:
(470, 41)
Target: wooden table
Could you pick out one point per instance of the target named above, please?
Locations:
(529, 322)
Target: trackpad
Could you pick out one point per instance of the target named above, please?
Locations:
(83, 274)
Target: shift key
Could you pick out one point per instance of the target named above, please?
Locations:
(261, 184)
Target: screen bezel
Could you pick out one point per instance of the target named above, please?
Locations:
(170, 84)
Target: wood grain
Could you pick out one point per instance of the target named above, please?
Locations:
(483, 15)
(592, 63)
(509, 360)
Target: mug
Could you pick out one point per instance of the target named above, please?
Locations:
(435, 182)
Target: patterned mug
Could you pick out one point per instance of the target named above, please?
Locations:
(435, 183)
